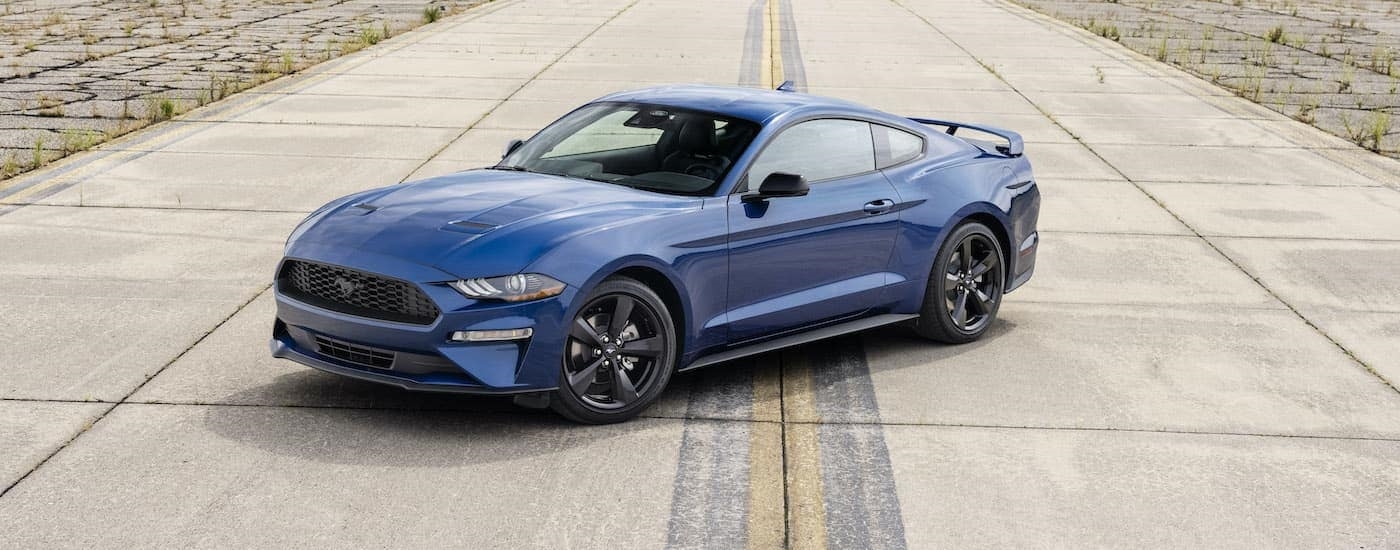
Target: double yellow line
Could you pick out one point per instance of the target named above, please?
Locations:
(784, 454)
(772, 58)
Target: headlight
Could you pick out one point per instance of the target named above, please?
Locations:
(511, 288)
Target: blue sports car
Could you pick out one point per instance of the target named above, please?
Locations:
(656, 231)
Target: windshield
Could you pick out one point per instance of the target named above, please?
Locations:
(650, 147)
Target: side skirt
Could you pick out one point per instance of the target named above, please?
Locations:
(800, 338)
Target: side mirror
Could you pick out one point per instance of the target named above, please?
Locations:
(779, 184)
(512, 146)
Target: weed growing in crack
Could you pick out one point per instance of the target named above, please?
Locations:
(431, 14)
(75, 140)
(370, 36)
(1307, 111)
(159, 108)
(11, 165)
(38, 158)
(1379, 126)
(1276, 35)
(50, 106)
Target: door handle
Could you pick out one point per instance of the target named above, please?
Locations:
(878, 207)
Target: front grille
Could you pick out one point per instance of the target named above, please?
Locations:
(356, 292)
(358, 355)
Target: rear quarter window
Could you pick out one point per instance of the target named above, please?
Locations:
(894, 146)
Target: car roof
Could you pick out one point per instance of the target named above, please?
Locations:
(746, 103)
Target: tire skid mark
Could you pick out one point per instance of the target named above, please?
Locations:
(792, 68)
(858, 497)
(750, 66)
(710, 499)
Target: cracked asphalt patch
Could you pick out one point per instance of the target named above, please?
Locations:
(74, 73)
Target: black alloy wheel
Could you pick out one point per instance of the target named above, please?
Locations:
(965, 287)
(619, 354)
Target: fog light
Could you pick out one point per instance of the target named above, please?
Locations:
(492, 335)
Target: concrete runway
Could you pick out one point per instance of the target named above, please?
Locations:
(1205, 358)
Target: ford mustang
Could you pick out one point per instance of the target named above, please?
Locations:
(657, 231)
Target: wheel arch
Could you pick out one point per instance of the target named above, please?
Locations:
(658, 282)
(998, 228)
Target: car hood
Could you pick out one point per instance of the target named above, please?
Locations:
(481, 222)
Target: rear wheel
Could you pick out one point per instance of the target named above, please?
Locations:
(965, 287)
(619, 355)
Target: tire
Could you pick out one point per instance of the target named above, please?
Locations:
(961, 274)
(590, 391)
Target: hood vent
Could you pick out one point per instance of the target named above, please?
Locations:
(469, 227)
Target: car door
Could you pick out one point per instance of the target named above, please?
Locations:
(798, 261)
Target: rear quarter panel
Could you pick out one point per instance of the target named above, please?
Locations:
(948, 190)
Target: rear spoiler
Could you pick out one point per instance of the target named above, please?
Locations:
(1014, 145)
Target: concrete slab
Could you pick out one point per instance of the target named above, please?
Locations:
(435, 168)
(1228, 165)
(1106, 206)
(1137, 269)
(525, 115)
(1080, 79)
(1169, 106)
(398, 67)
(1113, 367)
(1374, 338)
(88, 287)
(371, 111)
(419, 87)
(33, 430)
(578, 92)
(481, 144)
(327, 140)
(205, 476)
(212, 181)
(114, 244)
(1109, 130)
(99, 338)
(1284, 211)
(1344, 275)
(691, 72)
(840, 74)
(998, 488)
(1068, 160)
(944, 103)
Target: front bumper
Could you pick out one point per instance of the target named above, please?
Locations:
(422, 357)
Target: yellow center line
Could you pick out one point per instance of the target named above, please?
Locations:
(775, 41)
(806, 519)
(765, 521)
(788, 473)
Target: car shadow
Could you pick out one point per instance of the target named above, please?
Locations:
(319, 417)
(324, 418)
(899, 347)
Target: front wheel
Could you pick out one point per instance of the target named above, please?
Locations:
(619, 355)
(964, 288)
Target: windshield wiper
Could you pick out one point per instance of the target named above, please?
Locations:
(508, 167)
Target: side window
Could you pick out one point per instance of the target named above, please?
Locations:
(895, 146)
(817, 150)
